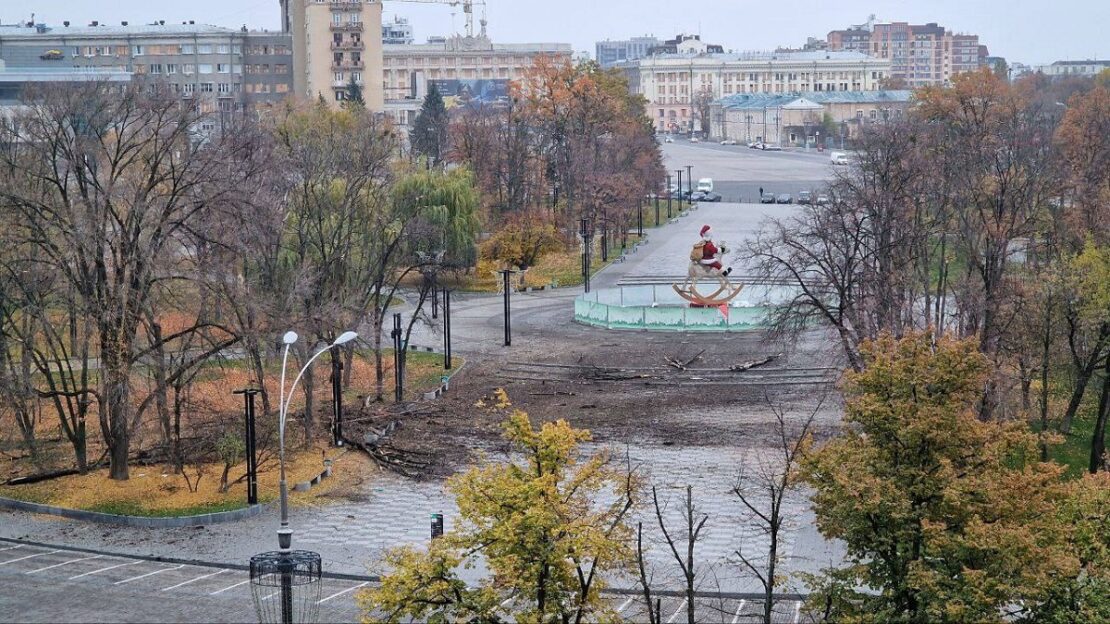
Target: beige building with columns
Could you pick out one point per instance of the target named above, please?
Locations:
(672, 83)
(334, 42)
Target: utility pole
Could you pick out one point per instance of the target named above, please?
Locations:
(506, 275)
(670, 198)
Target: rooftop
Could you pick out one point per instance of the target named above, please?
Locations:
(807, 55)
(23, 31)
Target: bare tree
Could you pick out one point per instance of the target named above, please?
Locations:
(693, 523)
(108, 183)
(763, 491)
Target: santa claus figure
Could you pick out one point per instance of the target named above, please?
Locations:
(710, 253)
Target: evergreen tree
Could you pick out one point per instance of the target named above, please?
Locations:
(354, 95)
(429, 131)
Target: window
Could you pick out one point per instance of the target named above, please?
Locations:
(859, 114)
(188, 69)
(204, 48)
(187, 48)
(282, 87)
(660, 112)
(338, 76)
(206, 87)
(236, 69)
(873, 114)
(355, 18)
(357, 77)
(156, 68)
(188, 88)
(236, 48)
(336, 19)
(223, 88)
(223, 48)
(281, 69)
(223, 68)
(135, 50)
(171, 69)
(204, 68)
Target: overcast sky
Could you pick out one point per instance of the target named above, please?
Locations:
(1030, 31)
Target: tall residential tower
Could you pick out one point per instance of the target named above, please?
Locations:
(335, 42)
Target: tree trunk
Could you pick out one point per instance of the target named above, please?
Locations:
(1098, 438)
(114, 413)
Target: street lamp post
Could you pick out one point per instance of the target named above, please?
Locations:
(507, 285)
(690, 179)
(285, 568)
(587, 238)
(670, 198)
(250, 450)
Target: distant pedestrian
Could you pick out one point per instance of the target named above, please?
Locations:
(761, 191)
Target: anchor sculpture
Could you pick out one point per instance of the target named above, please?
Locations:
(705, 263)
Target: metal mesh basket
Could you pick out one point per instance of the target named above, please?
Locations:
(285, 586)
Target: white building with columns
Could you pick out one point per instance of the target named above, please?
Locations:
(672, 84)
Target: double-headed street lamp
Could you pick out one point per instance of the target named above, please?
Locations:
(285, 568)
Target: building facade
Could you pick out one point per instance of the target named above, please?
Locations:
(673, 83)
(472, 64)
(1073, 69)
(221, 68)
(397, 32)
(334, 43)
(920, 54)
(610, 52)
(816, 118)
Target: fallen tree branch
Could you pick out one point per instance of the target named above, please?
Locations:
(739, 368)
(680, 365)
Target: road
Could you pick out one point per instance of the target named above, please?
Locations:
(739, 173)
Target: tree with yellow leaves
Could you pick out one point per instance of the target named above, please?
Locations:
(539, 525)
(945, 518)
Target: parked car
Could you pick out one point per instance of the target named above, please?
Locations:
(668, 139)
(822, 199)
(805, 197)
(771, 147)
(695, 140)
(767, 198)
(710, 196)
(728, 142)
(838, 158)
(705, 184)
(755, 145)
(785, 198)
(697, 196)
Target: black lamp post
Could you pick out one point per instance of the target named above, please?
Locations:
(507, 284)
(446, 329)
(679, 185)
(640, 217)
(398, 359)
(690, 179)
(670, 198)
(587, 240)
(251, 452)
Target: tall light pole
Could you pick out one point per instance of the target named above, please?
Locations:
(285, 534)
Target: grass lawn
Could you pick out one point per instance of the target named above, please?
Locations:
(153, 491)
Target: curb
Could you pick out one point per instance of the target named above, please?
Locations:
(445, 384)
(135, 521)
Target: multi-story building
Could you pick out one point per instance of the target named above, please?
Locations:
(814, 118)
(686, 44)
(610, 52)
(221, 68)
(457, 65)
(14, 81)
(397, 32)
(673, 83)
(920, 55)
(1073, 69)
(336, 42)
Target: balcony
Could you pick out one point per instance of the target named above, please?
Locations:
(346, 5)
(347, 45)
(347, 65)
(347, 27)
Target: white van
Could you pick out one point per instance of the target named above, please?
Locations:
(838, 158)
(705, 185)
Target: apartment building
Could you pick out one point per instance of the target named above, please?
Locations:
(672, 83)
(223, 69)
(920, 54)
(457, 64)
(610, 52)
(397, 32)
(336, 42)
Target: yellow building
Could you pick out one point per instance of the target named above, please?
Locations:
(335, 42)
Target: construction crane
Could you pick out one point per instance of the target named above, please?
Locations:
(468, 10)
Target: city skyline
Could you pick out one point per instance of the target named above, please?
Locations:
(1024, 31)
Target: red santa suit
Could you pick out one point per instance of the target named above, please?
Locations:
(709, 251)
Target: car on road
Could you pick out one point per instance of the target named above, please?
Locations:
(805, 197)
(784, 198)
(705, 184)
(710, 196)
(822, 199)
(771, 147)
(755, 145)
(668, 139)
(767, 198)
(728, 142)
(697, 196)
(838, 158)
(695, 140)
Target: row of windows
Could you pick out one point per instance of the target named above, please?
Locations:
(467, 61)
(189, 68)
(176, 49)
(705, 77)
(452, 73)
